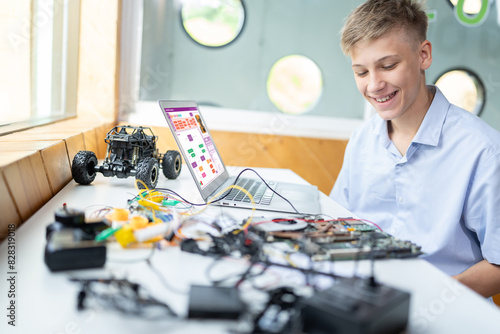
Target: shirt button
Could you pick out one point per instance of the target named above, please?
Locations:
(401, 200)
(392, 231)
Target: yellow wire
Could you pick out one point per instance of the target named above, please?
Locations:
(286, 256)
(137, 186)
(289, 260)
(249, 220)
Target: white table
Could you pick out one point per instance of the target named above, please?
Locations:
(46, 301)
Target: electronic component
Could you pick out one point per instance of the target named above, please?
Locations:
(278, 224)
(67, 249)
(281, 314)
(214, 302)
(356, 306)
(70, 241)
(377, 245)
(120, 295)
(69, 217)
(346, 239)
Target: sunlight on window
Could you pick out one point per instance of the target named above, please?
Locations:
(470, 6)
(294, 84)
(15, 61)
(213, 23)
(464, 89)
(38, 82)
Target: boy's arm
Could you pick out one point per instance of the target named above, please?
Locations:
(483, 277)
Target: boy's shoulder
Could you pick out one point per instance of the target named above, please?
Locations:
(470, 129)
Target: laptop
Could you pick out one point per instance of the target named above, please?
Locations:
(211, 176)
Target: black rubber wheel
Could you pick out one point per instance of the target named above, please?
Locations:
(148, 171)
(171, 164)
(83, 165)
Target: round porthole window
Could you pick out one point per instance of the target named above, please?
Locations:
(470, 6)
(294, 84)
(213, 23)
(464, 89)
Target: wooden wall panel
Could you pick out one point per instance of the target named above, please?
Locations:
(56, 162)
(37, 136)
(7, 158)
(14, 180)
(10, 214)
(496, 299)
(90, 141)
(74, 144)
(15, 146)
(28, 185)
(166, 140)
(101, 145)
(318, 161)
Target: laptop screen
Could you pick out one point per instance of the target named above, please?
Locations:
(196, 144)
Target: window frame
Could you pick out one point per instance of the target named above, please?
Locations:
(64, 71)
(478, 83)
(245, 14)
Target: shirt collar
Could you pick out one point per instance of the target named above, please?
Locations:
(429, 131)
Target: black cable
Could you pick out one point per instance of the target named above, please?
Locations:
(249, 269)
(163, 280)
(123, 296)
(267, 185)
(224, 196)
(243, 277)
(305, 271)
(210, 268)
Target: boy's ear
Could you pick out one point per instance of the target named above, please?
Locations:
(425, 53)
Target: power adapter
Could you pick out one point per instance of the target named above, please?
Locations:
(214, 302)
(356, 306)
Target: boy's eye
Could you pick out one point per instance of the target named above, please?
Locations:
(361, 74)
(389, 67)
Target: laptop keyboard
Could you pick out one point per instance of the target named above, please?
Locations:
(260, 192)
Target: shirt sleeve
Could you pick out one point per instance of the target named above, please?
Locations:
(482, 208)
(340, 191)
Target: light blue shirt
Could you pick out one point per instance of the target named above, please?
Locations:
(443, 195)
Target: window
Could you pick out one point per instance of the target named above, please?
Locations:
(463, 88)
(38, 61)
(294, 84)
(213, 23)
(470, 6)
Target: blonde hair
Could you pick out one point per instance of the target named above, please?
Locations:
(375, 18)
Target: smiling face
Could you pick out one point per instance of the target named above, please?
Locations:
(389, 72)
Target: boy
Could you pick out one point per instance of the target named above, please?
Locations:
(421, 168)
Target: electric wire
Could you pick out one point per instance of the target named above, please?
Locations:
(234, 184)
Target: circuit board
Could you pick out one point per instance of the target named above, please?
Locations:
(346, 239)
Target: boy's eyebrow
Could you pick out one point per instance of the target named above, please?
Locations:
(378, 61)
